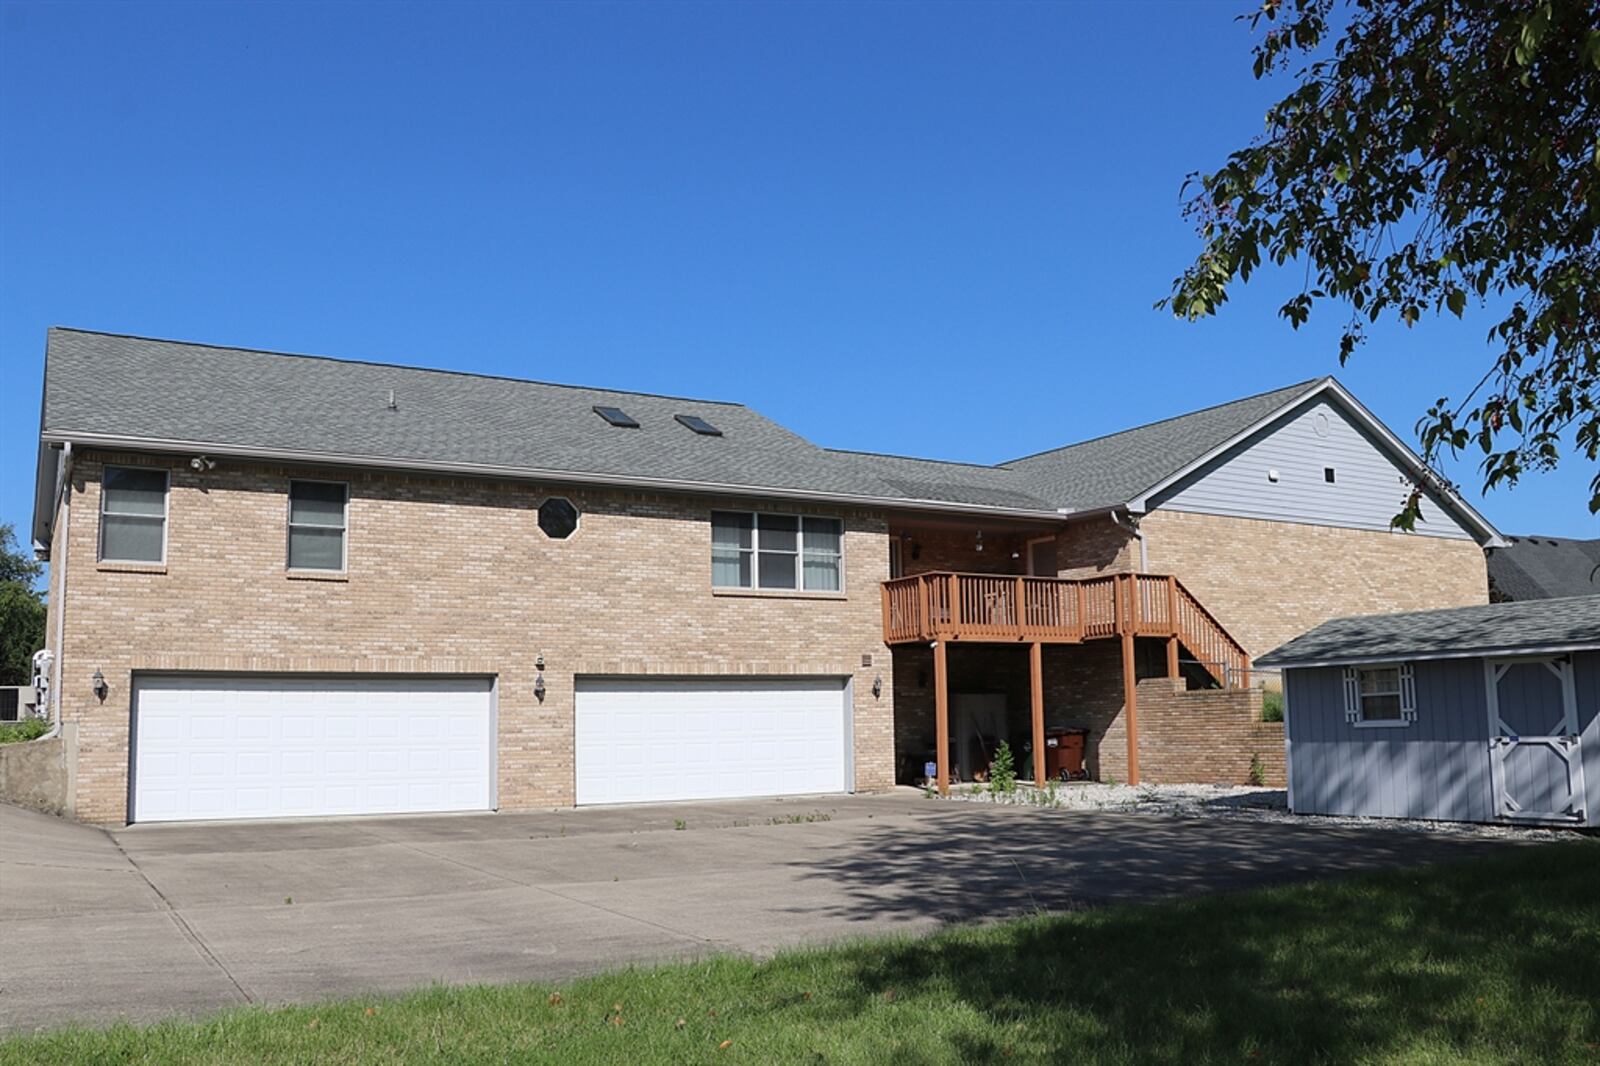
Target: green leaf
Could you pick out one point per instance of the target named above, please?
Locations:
(1341, 173)
(1457, 301)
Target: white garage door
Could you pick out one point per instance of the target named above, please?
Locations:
(644, 740)
(244, 746)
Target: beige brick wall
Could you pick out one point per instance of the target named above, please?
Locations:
(1268, 582)
(1206, 737)
(451, 576)
(1094, 546)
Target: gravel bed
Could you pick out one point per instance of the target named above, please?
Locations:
(1234, 802)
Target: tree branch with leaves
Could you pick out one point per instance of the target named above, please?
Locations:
(1433, 156)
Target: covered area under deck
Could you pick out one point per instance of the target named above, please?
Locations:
(979, 647)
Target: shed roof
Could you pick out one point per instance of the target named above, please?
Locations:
(1555, 625)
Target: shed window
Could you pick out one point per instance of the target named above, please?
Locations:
(774, 551)
(133, 515)
(317, 524)
(1380, 695)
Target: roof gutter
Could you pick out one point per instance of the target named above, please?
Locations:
(102, 440)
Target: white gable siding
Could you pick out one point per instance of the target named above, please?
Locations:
(1368, 490)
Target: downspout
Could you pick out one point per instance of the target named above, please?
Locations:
(1133, 527)
(63, 503)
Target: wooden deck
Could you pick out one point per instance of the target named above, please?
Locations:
(943, 606)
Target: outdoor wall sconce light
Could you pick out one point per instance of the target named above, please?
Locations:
(877, 686)
(538, 688)
(538, 664)
(100, 686)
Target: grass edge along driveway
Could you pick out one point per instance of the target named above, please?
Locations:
(1492, 960)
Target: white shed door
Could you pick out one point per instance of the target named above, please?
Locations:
(244, 746)
(647, 740)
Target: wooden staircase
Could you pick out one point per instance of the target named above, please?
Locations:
(992, 608)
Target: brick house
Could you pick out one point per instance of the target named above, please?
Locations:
(291, 585)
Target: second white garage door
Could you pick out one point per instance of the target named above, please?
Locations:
(256, 746)
(648, 740)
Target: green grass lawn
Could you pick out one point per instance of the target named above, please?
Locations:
(1492, 961)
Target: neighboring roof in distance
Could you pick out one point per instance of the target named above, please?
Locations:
(1537, 568)
(1568, 624)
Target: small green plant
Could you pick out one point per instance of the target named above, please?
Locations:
(1258, 770)
(1271, 705)
(679, 823)
(27, 729)
(1003, 770)
(1109, 779)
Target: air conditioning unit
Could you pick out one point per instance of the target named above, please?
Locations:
(18, 702)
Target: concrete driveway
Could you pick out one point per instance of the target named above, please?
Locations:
(153, 921)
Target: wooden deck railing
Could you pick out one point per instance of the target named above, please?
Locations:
(994, 608)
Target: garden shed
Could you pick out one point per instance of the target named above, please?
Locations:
(1478, 714)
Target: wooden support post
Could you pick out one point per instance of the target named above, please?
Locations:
(941, 715)
(1036, 689)
(1130, 693)
(1172, 658)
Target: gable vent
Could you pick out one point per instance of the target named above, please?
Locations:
(699, 425)
(616, 416)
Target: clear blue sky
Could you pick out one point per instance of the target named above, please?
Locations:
(926, 229)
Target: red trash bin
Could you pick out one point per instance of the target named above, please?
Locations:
(1063, 753)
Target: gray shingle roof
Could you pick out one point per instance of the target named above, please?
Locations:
(1536, 568)
(1458, 632)
(1109, 471)
(934, 479)
(130, 387)
(141, 389)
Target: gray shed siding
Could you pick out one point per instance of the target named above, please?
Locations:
(1368, 488)
(1435, 768)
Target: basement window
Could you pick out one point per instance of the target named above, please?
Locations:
(616, 416)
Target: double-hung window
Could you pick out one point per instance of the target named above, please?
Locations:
(317, 524)
(1380, 695)
(133, 515)
(775, 551)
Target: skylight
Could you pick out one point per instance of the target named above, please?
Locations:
(699, 425)
(616, 416)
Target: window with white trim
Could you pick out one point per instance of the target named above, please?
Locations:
(776, 551)
(133, 515)
(317, 524)
(1383, 694)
